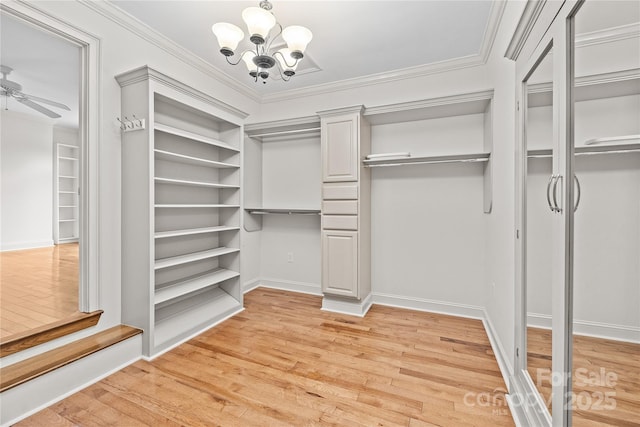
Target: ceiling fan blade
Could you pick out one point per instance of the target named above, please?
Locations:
(39, 108)
(46, 101)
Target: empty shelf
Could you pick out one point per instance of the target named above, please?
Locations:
(67, 158)
(187, 205)
(179, 320)
(191, 284)
(590, 150)
(264, 211)
(612, 139)
(182, 158)
(193, 136)
(191, 231)
(67, 177)
(196, 256)
(453, 158)
(67, 220)
(66, 192)
(193, 183)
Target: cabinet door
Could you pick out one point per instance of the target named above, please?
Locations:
(340, 149)
(340, 263)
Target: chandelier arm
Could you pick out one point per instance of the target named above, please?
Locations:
(272, 39)
(281, 72)
(295, 62)
(241, 56)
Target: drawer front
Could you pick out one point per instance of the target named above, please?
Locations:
(339, 191)
(339, 222)
(340, 207)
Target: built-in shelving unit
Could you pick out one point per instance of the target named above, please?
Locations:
(181, 181)
(66, 184)
(391, 124)
(282, 170)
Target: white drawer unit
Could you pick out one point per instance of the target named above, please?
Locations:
(340, 207)
(340, 191)
(339, 222)
(346, 220)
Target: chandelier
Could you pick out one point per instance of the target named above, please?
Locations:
(261, 59)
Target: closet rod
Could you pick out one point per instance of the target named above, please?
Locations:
(285, 132)
(284, 211)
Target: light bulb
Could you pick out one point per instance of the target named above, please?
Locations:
(259, 22)
(228, 36)
(248, 60)
(297, 38)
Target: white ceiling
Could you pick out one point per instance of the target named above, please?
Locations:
(351, 39)
(46, 66)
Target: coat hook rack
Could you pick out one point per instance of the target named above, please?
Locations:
(128, 125)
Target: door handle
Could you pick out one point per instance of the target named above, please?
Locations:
(578, 193)
(549, 196)
(554, 192)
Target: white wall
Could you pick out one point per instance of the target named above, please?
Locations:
(27, 181)
(427, 220)
(500, 224)
(66, 135)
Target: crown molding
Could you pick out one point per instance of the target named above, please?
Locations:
(375, 79)
(142, 30)
(147, 73)
(489, 37)
(529, 16)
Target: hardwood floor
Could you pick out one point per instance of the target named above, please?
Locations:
(606, 378)
(38, 287)
(283, 361)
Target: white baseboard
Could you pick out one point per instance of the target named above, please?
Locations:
(290, 285)
(19, 246)
(350, 307)
(433, 306)
(504, 363)
(591, 329)
(24, 400)
(250, 285)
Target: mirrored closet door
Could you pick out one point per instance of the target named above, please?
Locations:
(578, 263)
(606, 241)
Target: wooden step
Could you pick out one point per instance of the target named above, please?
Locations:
(49, 332)
(21, 372)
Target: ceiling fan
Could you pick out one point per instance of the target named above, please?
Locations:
(12, 89)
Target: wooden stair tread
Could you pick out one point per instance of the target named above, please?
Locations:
(33, 337)
(21, 372)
